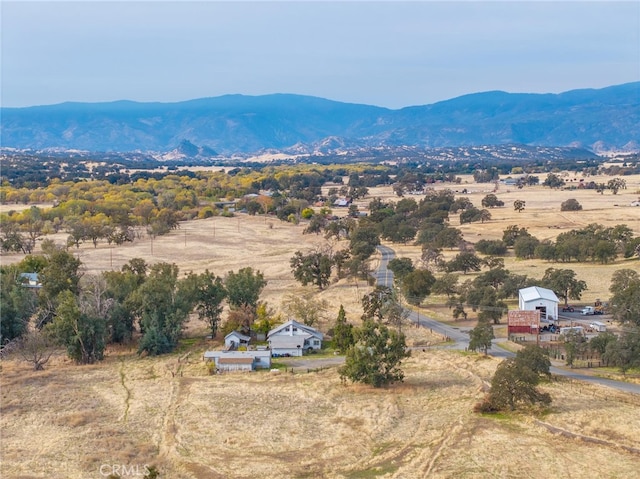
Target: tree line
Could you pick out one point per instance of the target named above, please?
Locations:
(146, 303)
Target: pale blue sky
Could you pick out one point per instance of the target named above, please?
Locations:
(390, 54)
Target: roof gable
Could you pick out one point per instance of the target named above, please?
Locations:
(296, 324)
(536, 292)
(238, 335)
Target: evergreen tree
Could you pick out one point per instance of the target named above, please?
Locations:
(376, 356)
(342, 332)
(481, 336)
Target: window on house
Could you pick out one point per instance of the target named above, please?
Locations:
(316, 342)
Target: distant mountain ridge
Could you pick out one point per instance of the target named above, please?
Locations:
(595, 119)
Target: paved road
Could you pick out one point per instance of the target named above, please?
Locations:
(384, 277)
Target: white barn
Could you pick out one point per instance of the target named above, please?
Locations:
(293, 338)
(541, 299)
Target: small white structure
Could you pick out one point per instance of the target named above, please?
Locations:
(541, 299)
(293, 339)
(598, 326)
(239, 360)
(30, 280)
(235, 339)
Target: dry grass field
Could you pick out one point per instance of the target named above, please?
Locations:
(68, 421)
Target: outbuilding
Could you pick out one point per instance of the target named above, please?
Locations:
(540, 299)
(235, 339)
(227, 361)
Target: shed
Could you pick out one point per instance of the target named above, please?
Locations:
(239, 360)
(235, 364)
(235, 339)
(541, 299)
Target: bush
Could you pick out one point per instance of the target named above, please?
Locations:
(570, 205)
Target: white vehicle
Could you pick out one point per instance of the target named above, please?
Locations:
(588, 310)
(598, 326)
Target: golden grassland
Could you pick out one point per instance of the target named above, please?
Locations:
(66, 421)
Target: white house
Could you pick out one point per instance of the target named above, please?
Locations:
(293, 338)
(542, 299)
(30, 280)
(239, 360)
(235, 339)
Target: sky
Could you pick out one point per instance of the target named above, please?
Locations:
(389, 54)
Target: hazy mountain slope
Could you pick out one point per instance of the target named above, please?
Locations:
(605, 118)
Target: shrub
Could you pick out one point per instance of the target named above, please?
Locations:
(570, 205)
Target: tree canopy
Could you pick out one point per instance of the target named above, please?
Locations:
(376, 356)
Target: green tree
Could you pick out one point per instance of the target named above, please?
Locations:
(208, 294)
(376, 356)
(625, 352)
(17, 304)
(625, 296)
(121, 287)
(491, 201)
(481, 337)
(491, 247)
(513, 384)
(374, 303)
(416, 286)
(536, 359)
(570, 205)
(525, 247)
(165, 305)
(363, 242)
(313, 268)
(448, 237)
(605, 251)
(244, 287)
(343, 337)
(564, 283)
(465, 262)
(83, 334)
(600, 344)
(519, 205)
(61, 273)
(553, 181)
(401, 267)
(616, 185)
(511, 234)
(446, 284)
(575, 344)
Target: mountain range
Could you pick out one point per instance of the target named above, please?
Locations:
(606, 119)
